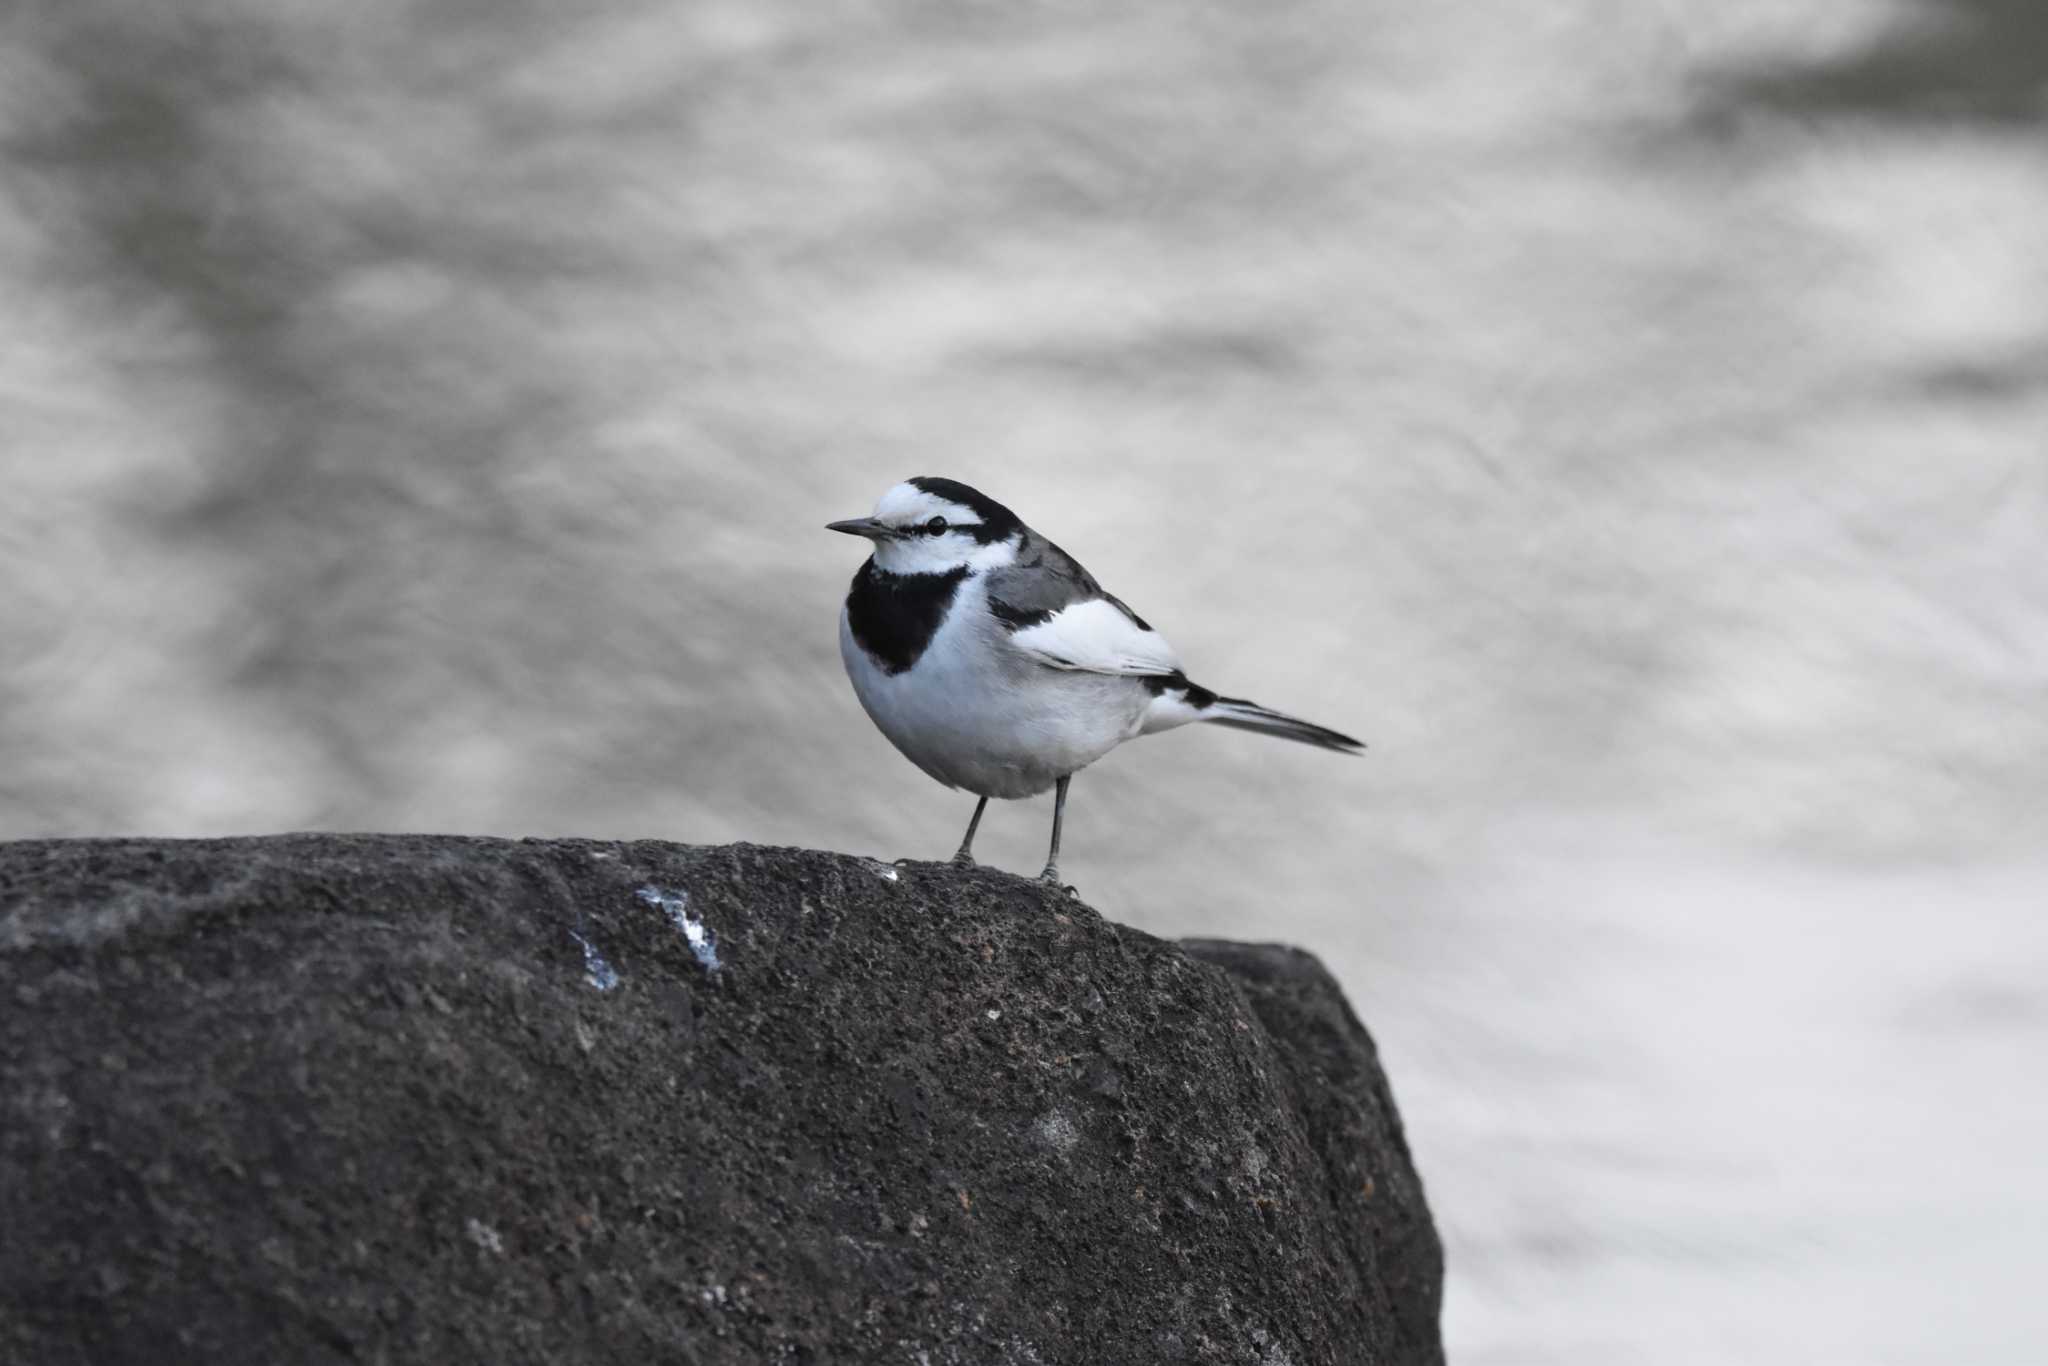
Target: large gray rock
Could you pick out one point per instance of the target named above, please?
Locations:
(398, 1098)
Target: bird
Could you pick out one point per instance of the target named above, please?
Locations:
(998, 665)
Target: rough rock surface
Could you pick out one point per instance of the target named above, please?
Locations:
(403, 1098)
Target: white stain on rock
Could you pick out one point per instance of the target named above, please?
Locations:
(1056, 1131)
(702, 939)
(596, 971)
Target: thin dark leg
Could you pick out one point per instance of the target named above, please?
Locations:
(965, 856)
(1059, 809)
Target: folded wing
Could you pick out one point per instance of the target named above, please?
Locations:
(1057, 614)
(1099, 636)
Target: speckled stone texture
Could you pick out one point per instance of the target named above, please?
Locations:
(370, 1098)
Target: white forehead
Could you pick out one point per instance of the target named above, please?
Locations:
(907, 503)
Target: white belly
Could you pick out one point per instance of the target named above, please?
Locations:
(975, 714)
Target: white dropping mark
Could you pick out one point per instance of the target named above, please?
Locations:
(882, 870)
(702, 939)
(995, 1014)
(1056, 1131)
(485, 1237)
(596, 971)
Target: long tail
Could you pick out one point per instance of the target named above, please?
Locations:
(1176, 702)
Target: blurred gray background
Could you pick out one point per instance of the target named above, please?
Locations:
(1629, 416)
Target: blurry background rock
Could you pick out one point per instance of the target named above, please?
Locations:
(1627, 417)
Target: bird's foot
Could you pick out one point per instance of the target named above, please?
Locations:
(1051, 878)
(963, 859)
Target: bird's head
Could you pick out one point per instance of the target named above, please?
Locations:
(936, 526)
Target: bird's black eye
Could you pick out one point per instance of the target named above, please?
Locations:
(935, 525)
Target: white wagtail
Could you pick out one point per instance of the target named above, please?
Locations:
(997, 664)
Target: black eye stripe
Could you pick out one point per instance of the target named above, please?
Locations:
(938, 525)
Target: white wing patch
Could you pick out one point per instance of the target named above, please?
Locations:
(1094, 637)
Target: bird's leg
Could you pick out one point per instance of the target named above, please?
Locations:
(964, 857)
(1059, 809)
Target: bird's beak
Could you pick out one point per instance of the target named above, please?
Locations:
(860, 526)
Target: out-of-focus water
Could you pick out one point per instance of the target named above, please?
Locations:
(1631, 418)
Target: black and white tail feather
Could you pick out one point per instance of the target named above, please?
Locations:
(1239, 714)
(1178, 701)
